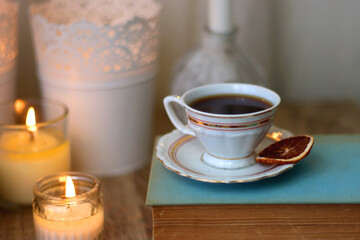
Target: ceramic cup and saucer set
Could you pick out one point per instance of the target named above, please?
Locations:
(227, 124)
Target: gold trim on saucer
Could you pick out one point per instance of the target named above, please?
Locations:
(230, 159)
(186, 139)
(222, 181)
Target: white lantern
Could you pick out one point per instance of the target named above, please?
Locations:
(100, 58)
(8, 49)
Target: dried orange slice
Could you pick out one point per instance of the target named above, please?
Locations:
(288, 150)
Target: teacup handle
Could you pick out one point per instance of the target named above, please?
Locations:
(173, 118)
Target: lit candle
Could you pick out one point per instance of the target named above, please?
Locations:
(68, 206)
(220, 16)
(31, 151)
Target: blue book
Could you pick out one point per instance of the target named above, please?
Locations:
(330, 174)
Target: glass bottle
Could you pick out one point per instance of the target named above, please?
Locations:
(217, 59)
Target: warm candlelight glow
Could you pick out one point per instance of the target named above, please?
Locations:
(276, 135)
(31, 148)
(69, 188)
(19, 105)
(30, 120)
(72, 217)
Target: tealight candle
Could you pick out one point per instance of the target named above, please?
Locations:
(68, 206)
(33, 144)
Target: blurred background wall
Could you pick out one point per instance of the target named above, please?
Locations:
(317, 49)
(309, 49)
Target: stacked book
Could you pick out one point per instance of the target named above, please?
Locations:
(317, 199)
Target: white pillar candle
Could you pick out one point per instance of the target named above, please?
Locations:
(28, 153)
(220, 16)
(60, 216)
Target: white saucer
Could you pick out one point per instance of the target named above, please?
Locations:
(182, 154)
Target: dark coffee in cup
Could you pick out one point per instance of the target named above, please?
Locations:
(230, 104)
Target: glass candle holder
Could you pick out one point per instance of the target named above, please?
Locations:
(33, 144)
(60, 216)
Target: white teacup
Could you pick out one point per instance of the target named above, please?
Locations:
(229, 139)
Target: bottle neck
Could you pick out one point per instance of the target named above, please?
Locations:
(211, 40)
(220, 17)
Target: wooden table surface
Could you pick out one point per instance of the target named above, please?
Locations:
(127, 216)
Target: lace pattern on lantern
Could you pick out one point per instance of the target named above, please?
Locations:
(87, 50)
(8, 35)
(98, 12)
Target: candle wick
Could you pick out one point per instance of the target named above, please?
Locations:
(32, 136)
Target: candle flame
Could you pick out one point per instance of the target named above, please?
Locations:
(69, 187)
(30, 120)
